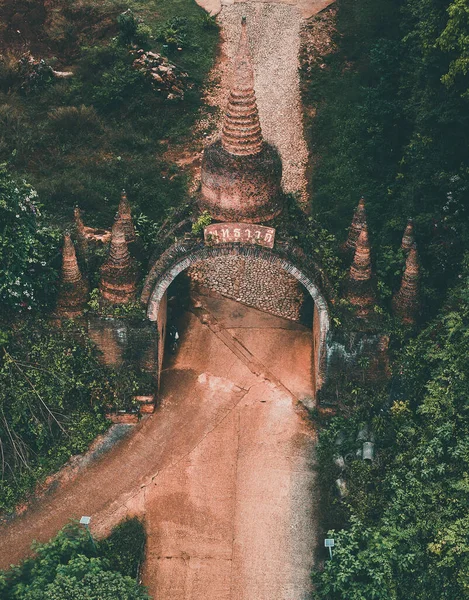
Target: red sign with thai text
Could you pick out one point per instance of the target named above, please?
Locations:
(246, 233)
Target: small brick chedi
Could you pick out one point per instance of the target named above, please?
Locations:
(408, 237)
(406, 301)
(241, 172)
(119, 273)
(74, 289)
(358, 222)
(360, 288)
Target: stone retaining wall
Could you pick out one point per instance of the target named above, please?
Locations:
(124, 341)
(253, 281)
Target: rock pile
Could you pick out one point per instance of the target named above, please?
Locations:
(166, 78)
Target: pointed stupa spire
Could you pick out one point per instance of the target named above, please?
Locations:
(82, 240)
(73, 289)
(360, 289)
(119, 272)
(405, 303)
(408, 237)
(241, 173)
(360, 269)
(79, 225)
(241, 134)
(124, 213)
(358, 222)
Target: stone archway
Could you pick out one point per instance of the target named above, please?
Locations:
(181, 256)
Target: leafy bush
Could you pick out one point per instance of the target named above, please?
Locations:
(132, 31)
(28, 247)
(107, 78)
(173, 32)
(53, 396)
(209, 21)
(203, 221)
(68, 567)
(34, 74)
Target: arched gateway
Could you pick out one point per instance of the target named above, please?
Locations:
(241, 258)
(183, 255)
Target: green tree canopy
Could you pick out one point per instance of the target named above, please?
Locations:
(69, 566)
(28, 247)
(408, 514)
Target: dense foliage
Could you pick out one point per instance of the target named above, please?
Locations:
(72, 566)
(53, 394)
(28, 247)
(392, 123)
(407, 533)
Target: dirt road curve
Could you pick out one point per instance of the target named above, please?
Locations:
(222, 472)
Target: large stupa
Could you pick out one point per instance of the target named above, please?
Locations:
(241, 172)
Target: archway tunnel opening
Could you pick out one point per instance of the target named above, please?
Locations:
(256, 282)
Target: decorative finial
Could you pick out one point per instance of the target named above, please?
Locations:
(241, 134)
(406, 302)
(124, 213)
(358, 222)
(408, 237)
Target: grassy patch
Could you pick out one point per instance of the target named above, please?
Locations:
(80, 140)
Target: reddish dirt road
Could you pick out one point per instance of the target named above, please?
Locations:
(222, 473)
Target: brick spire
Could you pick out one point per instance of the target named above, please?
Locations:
(408, 237)
(79, 225)
(360, 290)
(82, 240)
(405, 303)
(241, 134)
(358, 222)
(119, 272)
(124, 213)
(361, 266)
(73, 290)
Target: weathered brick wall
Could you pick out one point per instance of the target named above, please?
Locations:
(253, 281)
(122, 341)
(241, 188)
(161, 323)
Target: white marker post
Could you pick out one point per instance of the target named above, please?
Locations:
(86, 522)
(329, 543)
